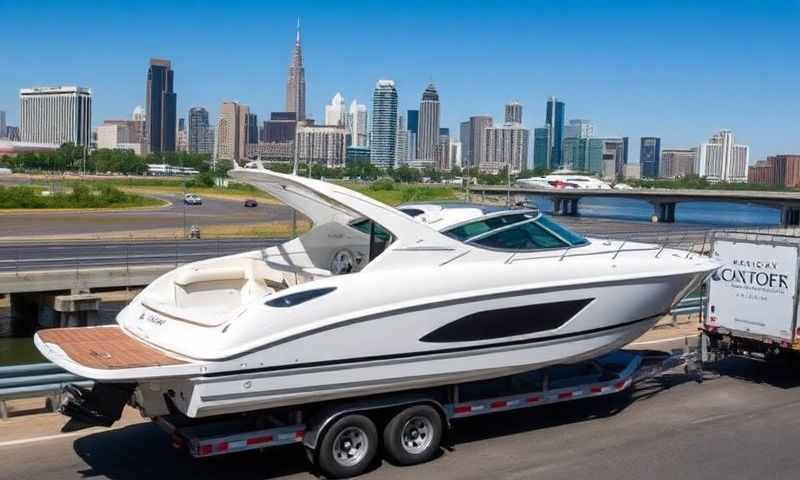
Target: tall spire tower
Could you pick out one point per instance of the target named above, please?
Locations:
(296, 81)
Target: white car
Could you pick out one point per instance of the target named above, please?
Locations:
(192, 199)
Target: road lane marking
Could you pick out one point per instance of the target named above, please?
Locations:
(663, 340)
(45, 438)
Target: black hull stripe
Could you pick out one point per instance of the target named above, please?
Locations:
(428, 352)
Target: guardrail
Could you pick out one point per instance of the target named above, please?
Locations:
(36, 380)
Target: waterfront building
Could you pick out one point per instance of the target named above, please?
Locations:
(579, 128)
(358, 124)
(296, 81)
(650, 156)
(477, 129)
(776, 170)
(603, 150)
(575, 153)
(232, 131)
(722, 160)
(514, 112)
(384, 124)
(632, 170)
(161, 107)
(322, 144)
(56, 115)
(677, 162)
(428, 137)
(336, 112)
(357, 155)
(506, 146)
(554, 119)
(541, 138)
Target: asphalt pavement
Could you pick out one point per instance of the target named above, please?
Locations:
(741, 424)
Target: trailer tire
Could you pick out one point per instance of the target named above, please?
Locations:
(348, 447)
(413, 435)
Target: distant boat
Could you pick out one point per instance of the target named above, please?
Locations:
(564, 179)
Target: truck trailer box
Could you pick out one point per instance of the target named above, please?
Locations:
(754, 293)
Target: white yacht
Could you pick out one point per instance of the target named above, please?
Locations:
(371, 299)
(564, 179)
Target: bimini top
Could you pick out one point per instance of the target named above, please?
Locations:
(324, 202)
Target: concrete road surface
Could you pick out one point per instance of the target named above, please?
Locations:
(213, 211)
(741, 425)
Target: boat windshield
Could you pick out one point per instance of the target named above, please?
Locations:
(516, 231)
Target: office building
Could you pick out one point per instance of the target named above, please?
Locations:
(554, 119)
(632, 170)
(477, 130)
(465, 138)
(601, 151)
(677, 162)
(413, 134)
(579, 128)
(118, 135)
(442, 153)
(161, 107)
(296, 81)
(252, 128)
(358, 124)
(575, 153)
(2, 124)
(401, 150)
(594, 156)
(279, 128)
(456, 158)
(182, 138)
(198, 130)
(722, 160)
(321, 144)
(505, 146)
(650, 156)
(777, 170)
(541, 149)
(336, 112)
(12, 133)
(56, 115)
(271, 152)
(232, 131)
(383, 139)
(357, 155)
(514, 112)
(428, 136)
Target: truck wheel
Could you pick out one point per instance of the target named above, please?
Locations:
(413, 435)
(348, 447)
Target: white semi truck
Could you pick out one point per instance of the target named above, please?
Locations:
(751, 308)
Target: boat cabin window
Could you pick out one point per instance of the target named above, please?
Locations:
(379, 237)
(516, 231)
(412, 212)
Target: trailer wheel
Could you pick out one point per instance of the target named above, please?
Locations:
(413, 435)
(348, 447)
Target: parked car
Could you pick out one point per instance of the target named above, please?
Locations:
(250, 203)
(192, 199)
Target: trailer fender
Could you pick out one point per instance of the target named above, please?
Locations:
(322, 418)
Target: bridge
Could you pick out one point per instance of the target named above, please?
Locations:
(565, 201)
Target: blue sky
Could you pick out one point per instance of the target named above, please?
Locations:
(676, 69)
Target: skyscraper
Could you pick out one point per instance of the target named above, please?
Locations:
(442, 153)
(554, 118)
(182, 140)
(384, 124)
(579, 128)
(506, 146)
(198, 130)
(677, 162)
(465, 137)
(161, 105)
(722, 160)
(296, 81)
(650, 156)
(358, 124)
(336, 112)
(2, 124)
(280, 128)
(401, 150)
(252, 128)
(428, 137)
(232, 131)
(477, 127)
(413, 135)
(321, 144)
(514, 112)
(56, 115)
(575, 153)
(541, 151)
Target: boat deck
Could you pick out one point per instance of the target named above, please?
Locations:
(106, 348)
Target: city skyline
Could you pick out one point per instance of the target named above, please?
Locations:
(610, 86)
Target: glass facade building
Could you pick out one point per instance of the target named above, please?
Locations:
(650, 156)
(161, 107)
(384, 124)
(540, 147)
(554, 118)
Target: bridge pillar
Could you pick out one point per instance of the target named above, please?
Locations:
(565, 206)
(665, 211)
(31, 311)
(790, 216)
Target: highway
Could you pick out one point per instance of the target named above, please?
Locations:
(742, 424)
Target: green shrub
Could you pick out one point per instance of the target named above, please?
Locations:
(382, 184)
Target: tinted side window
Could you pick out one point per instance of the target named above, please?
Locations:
(562, 231)
(470, 230)
(528, 236)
